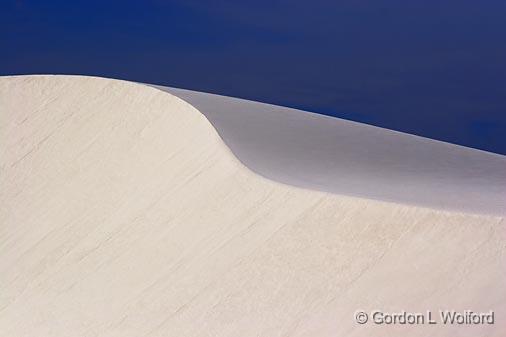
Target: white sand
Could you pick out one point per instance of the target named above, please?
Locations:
(122, 213)
(338, 156)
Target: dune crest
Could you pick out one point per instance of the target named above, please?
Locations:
(123, 213)
(334, 155)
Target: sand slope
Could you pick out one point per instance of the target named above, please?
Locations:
(122, 213)
(339, 156)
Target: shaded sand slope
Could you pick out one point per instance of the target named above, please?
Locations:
(338, 156)
(122, 213)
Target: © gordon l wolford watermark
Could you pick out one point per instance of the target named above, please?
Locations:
(446, 317)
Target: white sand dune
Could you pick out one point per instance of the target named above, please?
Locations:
(338, 156)
(123, 213)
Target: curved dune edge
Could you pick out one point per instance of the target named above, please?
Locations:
(337, 156)
(123, 213)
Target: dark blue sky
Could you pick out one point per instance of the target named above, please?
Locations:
(431, 68)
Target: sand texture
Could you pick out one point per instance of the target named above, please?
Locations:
(124, 213)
